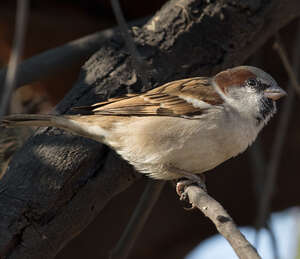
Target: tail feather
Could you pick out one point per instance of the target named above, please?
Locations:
(79, 125)
(27, 120)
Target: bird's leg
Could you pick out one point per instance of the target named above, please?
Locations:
(190, 179)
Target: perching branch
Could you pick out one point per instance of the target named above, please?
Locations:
(222, 220)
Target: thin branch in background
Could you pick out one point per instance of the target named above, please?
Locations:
(222, 220)
(274, 242)
(278, 46)
(256, 153)
(17, 50)
(153, 189)
(258, 164)
(138, 219)
(139, 64)
(264, 205)
(54, 60)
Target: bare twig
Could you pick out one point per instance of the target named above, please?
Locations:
(256, 153)
(153, 189)
(51, 61)
(274, 243)
(222, 220)
(258, 163)
(278, 46)
(139, 64)
(272, 168)
(17, 50)
(137, 220)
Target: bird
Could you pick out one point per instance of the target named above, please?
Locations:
(180, 129)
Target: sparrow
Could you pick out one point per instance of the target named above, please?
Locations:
(180, 129)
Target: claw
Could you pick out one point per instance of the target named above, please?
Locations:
(181, 187)
(190, 208)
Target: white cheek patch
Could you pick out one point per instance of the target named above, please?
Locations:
(195, 102)
(220, 92)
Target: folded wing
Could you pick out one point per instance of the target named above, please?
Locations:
(181, 98)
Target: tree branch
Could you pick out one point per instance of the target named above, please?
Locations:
(57, 183)
(54, 60)
(153, 189)
(11, 74)
(222, 220)
(139, 64)
(137, 220)
(264, 204)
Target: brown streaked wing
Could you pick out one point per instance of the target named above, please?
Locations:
(201, 89)
(99, 104)
(166, 100)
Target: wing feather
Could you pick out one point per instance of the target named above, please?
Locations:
(177, 98)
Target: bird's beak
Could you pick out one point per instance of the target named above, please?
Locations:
(274, 93)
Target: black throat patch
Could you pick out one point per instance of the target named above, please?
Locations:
(266, 109)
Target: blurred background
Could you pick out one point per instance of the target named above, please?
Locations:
(239, 184)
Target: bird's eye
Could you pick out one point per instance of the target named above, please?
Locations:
(252, 82)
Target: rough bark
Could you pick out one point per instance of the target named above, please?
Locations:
(57, 183)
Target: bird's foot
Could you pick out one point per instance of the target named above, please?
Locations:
(191, 180)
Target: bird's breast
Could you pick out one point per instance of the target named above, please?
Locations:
(152, 144)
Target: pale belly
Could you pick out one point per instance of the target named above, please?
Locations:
(155, 146)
